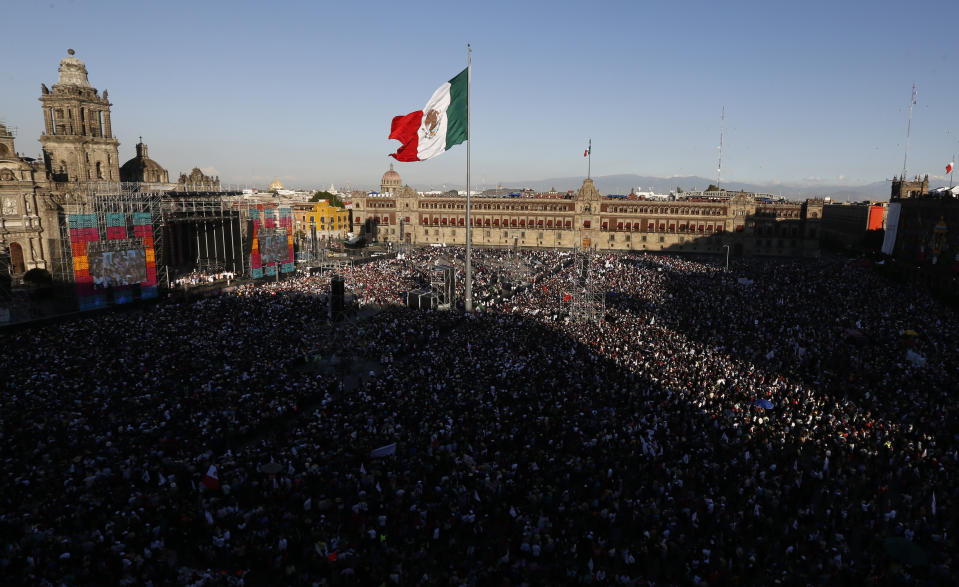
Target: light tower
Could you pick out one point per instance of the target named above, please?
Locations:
(722, 131)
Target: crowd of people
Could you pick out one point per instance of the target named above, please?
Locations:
(197, 277)
(783, 422)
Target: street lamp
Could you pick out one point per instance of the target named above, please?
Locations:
(727, 256)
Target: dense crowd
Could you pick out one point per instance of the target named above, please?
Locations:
(197, 277)
(783, 422)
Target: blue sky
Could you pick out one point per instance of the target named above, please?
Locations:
(815, 92)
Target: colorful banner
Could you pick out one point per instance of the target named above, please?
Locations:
(116, 225)
(112, 268)
(272, 247)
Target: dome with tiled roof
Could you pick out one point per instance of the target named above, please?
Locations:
(143, 169)
(391, 181)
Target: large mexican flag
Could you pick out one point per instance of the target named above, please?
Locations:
(438, 126)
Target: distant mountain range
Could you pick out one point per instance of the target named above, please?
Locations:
(623, 184)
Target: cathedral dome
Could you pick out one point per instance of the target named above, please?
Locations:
(391, 177)
(276, 185)
(391, 182)
(143, 169)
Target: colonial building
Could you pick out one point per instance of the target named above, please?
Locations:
(197, 181)
(589, 219)
(319, 223)
(903, 188)
(20, 200)
(79, 154)
(847, 224)
(926, 222)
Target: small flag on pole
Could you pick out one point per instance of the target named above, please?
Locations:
(586, 152)
(949, 167)
(211, 480)
(384, 451)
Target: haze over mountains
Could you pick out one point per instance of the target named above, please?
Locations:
(624, 183)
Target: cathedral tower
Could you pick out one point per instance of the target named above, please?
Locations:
(78, 142)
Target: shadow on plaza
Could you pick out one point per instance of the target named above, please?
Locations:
(534, 363)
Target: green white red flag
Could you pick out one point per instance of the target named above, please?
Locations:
(440, 125)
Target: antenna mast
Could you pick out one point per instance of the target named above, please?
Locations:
(912, 102)
(722, 131)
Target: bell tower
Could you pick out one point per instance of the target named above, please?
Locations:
(78, 142)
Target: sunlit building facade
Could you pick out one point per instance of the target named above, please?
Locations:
(586, 218)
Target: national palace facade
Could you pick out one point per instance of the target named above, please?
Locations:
(704, 224)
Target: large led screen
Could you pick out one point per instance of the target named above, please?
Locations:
(118, 268)
(273, 246)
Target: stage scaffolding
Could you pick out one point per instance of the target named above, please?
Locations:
(516, 268)
(585, 300)
(216, 222)
(101, 198)
(443, 285)
(337, 265)
(207, 231)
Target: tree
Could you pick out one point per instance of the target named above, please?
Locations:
(334, 200)
(713, 188)
(679, 190)
(38, 276)
(40, 283)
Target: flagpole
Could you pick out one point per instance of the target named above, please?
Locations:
(905, 159)
(469, 225)
(589, 159)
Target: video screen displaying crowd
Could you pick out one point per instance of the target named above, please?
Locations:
(785, 422)
(118, 268)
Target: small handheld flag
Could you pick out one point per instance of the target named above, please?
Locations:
(211, 480)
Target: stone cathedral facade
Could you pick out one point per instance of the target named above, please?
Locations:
(78, 146)
(79, 149)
